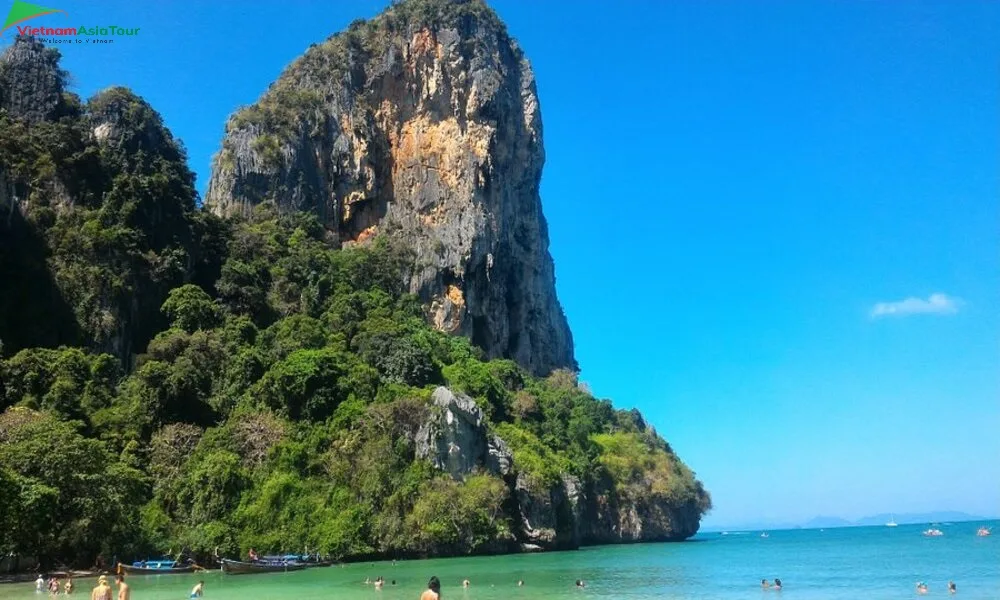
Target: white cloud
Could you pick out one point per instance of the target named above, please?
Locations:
(935, 304)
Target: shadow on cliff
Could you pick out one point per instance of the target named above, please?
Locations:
(33, 311)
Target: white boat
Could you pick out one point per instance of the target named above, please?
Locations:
(764, 534)
(892, 521)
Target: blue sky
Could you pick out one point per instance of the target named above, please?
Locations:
(732, 189)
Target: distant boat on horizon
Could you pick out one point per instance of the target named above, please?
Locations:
(892, 521)
(764, 534)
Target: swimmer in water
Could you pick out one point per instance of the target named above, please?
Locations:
(379, 583)
(102, 591)
(777, 584)
(764, 584)
(580, 583)
(433, 591)
(124, 593)
(921, 587)
(520, 582)
(951, 587)
(465, 583)
(199, 590)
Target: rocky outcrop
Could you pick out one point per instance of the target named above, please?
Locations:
(63, 161)
(613, 516)
(125, 123)
(455, 438)
(422, 124)
(566, 514)
(31, 83)
(536, 512)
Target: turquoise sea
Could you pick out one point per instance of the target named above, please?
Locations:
(868, 562)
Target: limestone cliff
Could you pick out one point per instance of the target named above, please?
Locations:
(31, 84)
(422, 124)
(99, 208)
(565, 513)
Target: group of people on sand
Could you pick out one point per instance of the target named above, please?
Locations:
(922, 587)
(766, 585)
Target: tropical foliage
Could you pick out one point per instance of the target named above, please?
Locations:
(170, 380)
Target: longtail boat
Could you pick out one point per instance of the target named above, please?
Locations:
(161, 566)
(236, 567)
(309, 560)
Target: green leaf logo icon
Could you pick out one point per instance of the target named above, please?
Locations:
(22, 11)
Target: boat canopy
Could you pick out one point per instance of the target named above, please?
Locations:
(156, 563)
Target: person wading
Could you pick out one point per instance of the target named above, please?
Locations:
(102, 591)
(433, 591)
(124, 593)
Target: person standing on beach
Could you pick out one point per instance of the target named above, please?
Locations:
(433, 591)
(102, 591)
(124, 593)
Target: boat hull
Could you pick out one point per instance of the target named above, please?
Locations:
(133, 570)
(235, 567)
(321, 563)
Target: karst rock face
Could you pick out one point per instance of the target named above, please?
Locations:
(422, 124)
(31, 85)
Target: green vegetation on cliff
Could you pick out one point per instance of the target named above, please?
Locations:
(172, 380)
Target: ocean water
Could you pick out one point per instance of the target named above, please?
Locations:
(870, 562)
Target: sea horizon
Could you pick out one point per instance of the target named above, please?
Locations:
(791, 527)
